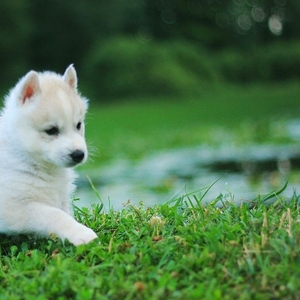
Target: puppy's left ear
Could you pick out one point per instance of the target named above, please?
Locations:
(70, 77)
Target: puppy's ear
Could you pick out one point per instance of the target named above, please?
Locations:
(30, 86)
(70, 77)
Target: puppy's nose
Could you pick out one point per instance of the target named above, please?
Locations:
(77, 156)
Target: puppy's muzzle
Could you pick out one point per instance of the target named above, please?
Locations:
(77, 156)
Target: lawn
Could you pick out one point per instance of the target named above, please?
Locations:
(181, 249)
(138, 126)
(178, 251)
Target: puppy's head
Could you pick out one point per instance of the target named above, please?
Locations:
(47, 116)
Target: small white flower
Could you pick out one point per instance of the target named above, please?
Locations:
(156, 221)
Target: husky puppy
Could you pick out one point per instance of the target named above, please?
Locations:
(41, 140)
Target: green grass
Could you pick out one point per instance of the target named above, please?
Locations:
(221, 114)
(180, 251)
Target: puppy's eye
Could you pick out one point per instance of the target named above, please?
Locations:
(78, 126)
(52, 131)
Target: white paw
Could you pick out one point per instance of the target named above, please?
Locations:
(82, 235)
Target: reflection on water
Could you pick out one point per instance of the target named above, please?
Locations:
(243, 173)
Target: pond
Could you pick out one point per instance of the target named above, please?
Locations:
(238, 173)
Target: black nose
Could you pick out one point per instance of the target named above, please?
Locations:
(77, 156)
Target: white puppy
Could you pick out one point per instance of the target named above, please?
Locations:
(41, 139)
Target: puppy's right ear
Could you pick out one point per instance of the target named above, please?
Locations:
(30, 86)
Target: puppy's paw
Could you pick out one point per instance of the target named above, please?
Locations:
(82, 235)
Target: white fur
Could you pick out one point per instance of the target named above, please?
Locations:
(36, 175)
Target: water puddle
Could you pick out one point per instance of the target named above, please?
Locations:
(243, 173)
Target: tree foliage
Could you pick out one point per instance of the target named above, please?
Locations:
(51, 34)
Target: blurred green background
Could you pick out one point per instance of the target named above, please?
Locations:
(146, 48)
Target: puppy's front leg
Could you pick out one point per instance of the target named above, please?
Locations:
(45, 220)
